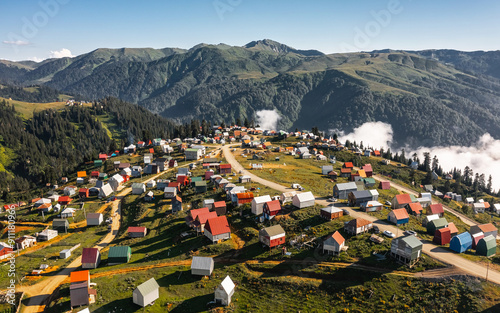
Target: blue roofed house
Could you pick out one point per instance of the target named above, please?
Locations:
(461, 242)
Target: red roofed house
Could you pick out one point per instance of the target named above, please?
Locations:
(64, 200)
(435, 209)
(453, 229)
(217, 229)
(201, 220)
(184, 180)
(345, 172)
(376, 153)
(193, 214)
(91, 257)
(225, 169)
(94, 174)
(414, 208)
(172, 163)
(141, 144)
(487, 229)
(83, 193)
(400, 201)
(220, 207)
(271, 209)
(385, 185)
(137, 231)
(368, 170)
(175, 184)
(5, 250)
(398, 216)
(334, 243)
(151, 150)
(272, 236)
(442, 236)
(103, 156)
(358, 226)
(348, 165)
(244, 197)
(475, 239)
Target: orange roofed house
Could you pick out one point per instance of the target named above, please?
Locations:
(358, 226)
(79, 290)
(400, 201)
(217, 229)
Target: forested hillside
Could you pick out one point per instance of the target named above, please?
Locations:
(429, 98)
(53, 143)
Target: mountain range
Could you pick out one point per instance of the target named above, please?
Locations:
(431, 97)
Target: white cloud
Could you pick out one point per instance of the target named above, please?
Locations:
(267, 119)
(16, 42)
(36, 59)
(63, 53)
(483, 157)
(373, 134)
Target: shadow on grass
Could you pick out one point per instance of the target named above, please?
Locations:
(195, 304)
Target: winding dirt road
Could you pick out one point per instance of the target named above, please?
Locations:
(439, 253)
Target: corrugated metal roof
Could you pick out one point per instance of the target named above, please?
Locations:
(227, 284)
(202, 263)
(273, 230)
(119, 252)
(412, 241)
(148, 286)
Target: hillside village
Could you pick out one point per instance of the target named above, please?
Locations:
(186, 201)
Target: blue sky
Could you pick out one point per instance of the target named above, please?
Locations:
(53, 28)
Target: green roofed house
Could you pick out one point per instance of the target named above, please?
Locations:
(195, 179)
(436, 224)
(119, 254)
(487, 246)
(369, 182)
(146, 293)
(97, 163)
(200, 186)
(406, 250)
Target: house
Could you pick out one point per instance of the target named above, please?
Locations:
(64, 200)
(138, 188)
(258, 204)
(200, 186)
(348, 165)
(369, 182)
(47, 234)
(414, 208)
(461, 242)
(475, 239)
(406, 249)
(220, 207)
(368, 170)
(453, 229)
(162, 163)
(91, 257)
(68, 212)
(183, 180)
(119, 255)
(435, 209)
(146, 293)
(225, 169)
(442, 236)
(209, 174)
(170, 192)
(272, 236)
(203, 266)
(105, 191)
(5, 250)
(45, 208)
(287, 196)
(487, 229)
(244, 197)
(355, 198)
(60, 224)
(127, 171)
(334, 243)
(151, 168)
(137, 231)
(303, 200)
(103, 176)
(103, 156)
(398, 216)
(150, 196)
(176, 204)
(428, 219)
(341, 191)
(172, 163)
(333, 175)
(224, 291)
(400, 201)
(151, 184)
(271, 209)
(371, 206)
(217, 229)
(202, 219)
(79, 289)
(469, 200)
(80, 180)
(436, 224)
(385, 185)
(94, 219)
(83, 193)
(24, 242)
(487, 246)
(136, 171)
(358, 226)
(345, 172)
(325, 169)
(193, 154)
(478, 207)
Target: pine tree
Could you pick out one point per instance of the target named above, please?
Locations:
(489, 187)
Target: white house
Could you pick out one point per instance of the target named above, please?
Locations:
(146, 293)
(138, 188)
(258, 204)
(478, 207)
(334, 243)
(68, 212)
(94, 219)
(105, 191)
(496, 208)
(115, 181)
(203, 266)
(193, 154)
(224, 291)
(151, 183)
(303, 200)
(287, 196)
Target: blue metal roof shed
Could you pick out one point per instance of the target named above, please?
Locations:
(461, 242)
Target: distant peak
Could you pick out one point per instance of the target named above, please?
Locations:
(271, 45)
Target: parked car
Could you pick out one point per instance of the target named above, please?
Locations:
(346, 212)
(109, 220)
(376, 229)
(388, 203)
(410, 232)
(389, 234)
(332, 199)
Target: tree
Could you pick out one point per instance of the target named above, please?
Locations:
(238, 121)
(426, 167)
(447, 186)
(490, 185)
(435, 164)
(246, 123)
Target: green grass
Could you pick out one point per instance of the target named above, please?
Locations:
(26, 109)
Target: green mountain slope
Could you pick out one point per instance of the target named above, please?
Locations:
(425, 100)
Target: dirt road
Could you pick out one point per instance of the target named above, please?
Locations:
(441, 254)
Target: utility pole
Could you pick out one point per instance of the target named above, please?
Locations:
(487, 270)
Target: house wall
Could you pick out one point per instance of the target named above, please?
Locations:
(144, 300)
(257, 208)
